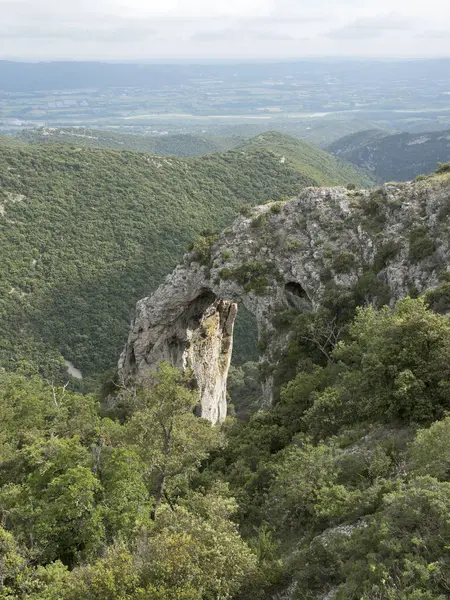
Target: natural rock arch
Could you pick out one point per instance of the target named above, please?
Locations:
(278, 258)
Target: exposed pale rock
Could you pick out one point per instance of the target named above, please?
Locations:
(282, 257)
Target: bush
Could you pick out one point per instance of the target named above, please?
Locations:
(246, 210)
(386, 253)
(429, 454)
(344, 262)
(402, 552)
(421, 244)
(439, 299)
(443, 168)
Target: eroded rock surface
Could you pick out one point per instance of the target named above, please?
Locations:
(285, 255)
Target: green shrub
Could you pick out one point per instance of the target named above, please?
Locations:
(375, 209)
(253, 276)
(429, 454)
(225, 274)
(386, 253)
(421, 244)
(443, 168)
(260, 220)
(246, 210)
(344, 262)
(201, 248)
(439, 299)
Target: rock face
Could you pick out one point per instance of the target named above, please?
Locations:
(188, 326)
(285, 255)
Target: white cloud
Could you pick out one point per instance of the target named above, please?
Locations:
(372, 27)
(145, 29)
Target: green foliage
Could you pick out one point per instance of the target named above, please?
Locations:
(397, 364)
(244, 388)
(201, 248)
(344, 262)
(333, 487)
(402, 553)
(162, 145)
(386, 253)
(439, 299)
(336, 469)
(421, 244)
(95, 509)
(246, 210)
(374, 208)
(443, 168)
(252, 276)
(305, 489)
(312, 161)
(166, 435)
(259, 221)
(429, 454)
(85, 233)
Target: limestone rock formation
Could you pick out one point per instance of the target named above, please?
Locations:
(285, 255)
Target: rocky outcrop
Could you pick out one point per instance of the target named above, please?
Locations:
(285, 255)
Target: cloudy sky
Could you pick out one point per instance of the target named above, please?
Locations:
(186, 29)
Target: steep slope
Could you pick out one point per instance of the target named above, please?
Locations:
(163, 145)
(394, 156)
(377, 245)
(312, 161)
(84, 233)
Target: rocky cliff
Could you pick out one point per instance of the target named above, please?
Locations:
(387, 242)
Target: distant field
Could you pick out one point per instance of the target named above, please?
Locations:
(319, 100)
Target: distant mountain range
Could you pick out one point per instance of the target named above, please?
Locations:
(162, 145)
(394, 156)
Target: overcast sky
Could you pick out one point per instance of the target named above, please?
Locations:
(186, 29)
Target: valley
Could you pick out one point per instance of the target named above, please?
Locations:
(87, 231)
(224, 318)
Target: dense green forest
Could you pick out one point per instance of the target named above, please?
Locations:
(163, 145)
(341, 490)
(85, 233)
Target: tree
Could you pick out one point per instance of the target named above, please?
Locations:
(166, 434)
(394, 367)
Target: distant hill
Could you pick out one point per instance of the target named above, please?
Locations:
(309, 159)
(163, 145)
(10, 141)
(85, 233)
(394, 156)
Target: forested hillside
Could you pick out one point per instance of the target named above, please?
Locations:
(394, 156)
(163, 145)
(341, 490)
(85, 233)
(309, 159)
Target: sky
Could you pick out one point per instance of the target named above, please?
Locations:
(222, 29)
